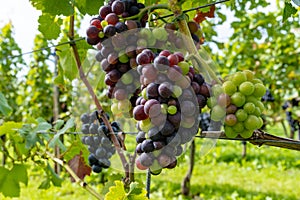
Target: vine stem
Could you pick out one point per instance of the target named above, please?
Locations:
(97, 102)
(73, 174)
(198, 61)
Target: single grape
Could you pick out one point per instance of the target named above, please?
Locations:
(118, 7)
(249, 107)
(138, 113)
(252, 122)
(229, 132)
(241, 115)
(104, 10)
(259, 90)
(238, 99)
(230, 120)
(229, 87)
(218, 113)
(238, 78)
(112, 18)
(246, 88)
(92, 32)
(109, 30)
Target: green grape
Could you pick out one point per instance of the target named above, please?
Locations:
(252, 122)
(257, 112)
(249, 74)
(256, 80)
(211, 102)
(238, 99)
(172, 110)
(238, 127)
(164, 108)
(246, 134)
(238, 78)
(246, 88)
(160, 34)
(249, 107)
(229, 87)
(177, 91)
(127, 78)
(241, 115)
(229, 132)
(260, 105)
(217, 90)
(218, 113)
(184, 66)
(259, 90)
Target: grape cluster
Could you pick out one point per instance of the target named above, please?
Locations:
(204, 121)
(168, 109)
(268, 97)
(110, 20)
(290, 107)
(237, 102)
(96, 137)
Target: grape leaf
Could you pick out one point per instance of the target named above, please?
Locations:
(67, 61)
(90, 7)
(49, 26)
(10, 179)
(78, 165)
(55, 140)
(54, 7)
(288, 11)
(19, 173)
(116, 192)
(9, 127)
(55, 179)
(76, 147)
(5, 109)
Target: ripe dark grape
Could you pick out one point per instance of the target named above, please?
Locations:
(109, 30)
(118, 7)
(104, 11)
(161, 63)
(139, 113)
(92, 32)
(112, 18)
(120, 27)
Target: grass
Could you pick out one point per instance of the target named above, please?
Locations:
(220, 173)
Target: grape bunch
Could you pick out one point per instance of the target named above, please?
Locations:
(110, 20)
(96, 137)
(238, 103)
(167, 111)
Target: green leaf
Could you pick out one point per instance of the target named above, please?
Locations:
(90, 7)
(136, 192)
(55, 179)
(288, 11)
(58, 124)
(67, 61)
(10, 179)
(54, 7)
(10, 127)
(45, 184)
(5, 109)
(49, 26)
(55, 140)
(76, 147)
(116, 192)
(19, 173)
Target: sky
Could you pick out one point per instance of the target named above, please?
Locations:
(24, 19)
